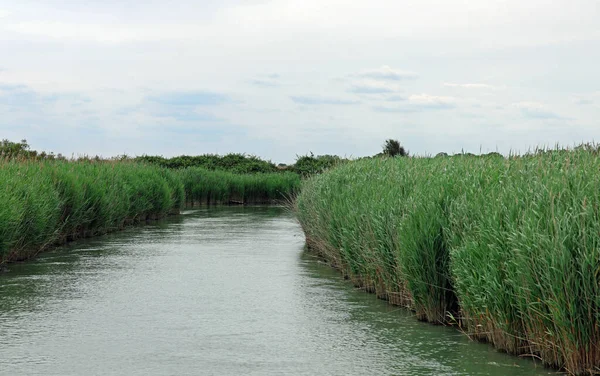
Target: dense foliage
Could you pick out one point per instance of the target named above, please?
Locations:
(308, 165)
(392, 148)
(237, 163)
(243, 164)
(507, 248)
(22, 151)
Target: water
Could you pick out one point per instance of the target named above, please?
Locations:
(224, 291)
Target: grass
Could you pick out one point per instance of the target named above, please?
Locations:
(203, 186)
(508, 247)
(46, 202)
(49, 202)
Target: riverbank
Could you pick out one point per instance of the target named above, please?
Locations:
(506, 249)
(44, 203)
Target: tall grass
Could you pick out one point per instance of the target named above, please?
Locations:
(48, 202)
(203, 186)
(508, 247)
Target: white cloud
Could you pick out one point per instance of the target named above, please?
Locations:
(586, 99)
(529, 105)
(383, 80)
(118, 53)
(107, 33)
(498, 22)
(419, 103)
(4, 13)
(373, 87)
(426, 99)
(469, 86)
(537, 110)
(386, 73)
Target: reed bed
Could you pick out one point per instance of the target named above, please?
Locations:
(49, 202)
(508, 249)
(204, 186)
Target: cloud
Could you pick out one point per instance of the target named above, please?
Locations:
(395, 98)
(536, 110)
(386, 73)
(470, 86)
(213, 133)
(582, 101)
(432, 101)
(86, 46)
(372, 87)
(586, 99)
(266, 81)
(4, 13)
(190, 98)
(186, 115)
(420, 103)
(378, 81)
(107, 32)
(23, 97)
(313, 100)
(12, 88)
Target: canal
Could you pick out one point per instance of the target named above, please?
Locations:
(216, 291)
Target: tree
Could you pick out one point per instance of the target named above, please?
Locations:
(392, 148)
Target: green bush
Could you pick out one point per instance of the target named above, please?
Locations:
(236, 163)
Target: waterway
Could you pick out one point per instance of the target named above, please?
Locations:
(216, 291)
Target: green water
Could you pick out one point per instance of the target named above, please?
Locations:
(225, 291)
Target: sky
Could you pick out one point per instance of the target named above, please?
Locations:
(283, 78)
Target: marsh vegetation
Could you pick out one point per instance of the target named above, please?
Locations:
(506, 249)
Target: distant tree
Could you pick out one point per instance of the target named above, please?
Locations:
(307, 165)
(392, 148)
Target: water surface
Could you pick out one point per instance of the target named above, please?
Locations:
(220, 291)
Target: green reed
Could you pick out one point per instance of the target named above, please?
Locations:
(203, 186)
(507, 248)
(49, 202)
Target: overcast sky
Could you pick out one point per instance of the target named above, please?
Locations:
(283, 78)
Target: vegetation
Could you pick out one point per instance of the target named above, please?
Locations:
(209, 187)
(392, 148)
(236, 163)
(243, 164)
(21, 150)
(308, 165)
(506, 248)
(49, 202)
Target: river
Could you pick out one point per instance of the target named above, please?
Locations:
(216, 291)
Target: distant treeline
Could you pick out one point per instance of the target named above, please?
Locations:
(236, 163)
(246, 164)
(21, 150)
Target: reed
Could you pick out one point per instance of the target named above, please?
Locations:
(204, 186)
(507, 248)
(49, 202)
(44, 202)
